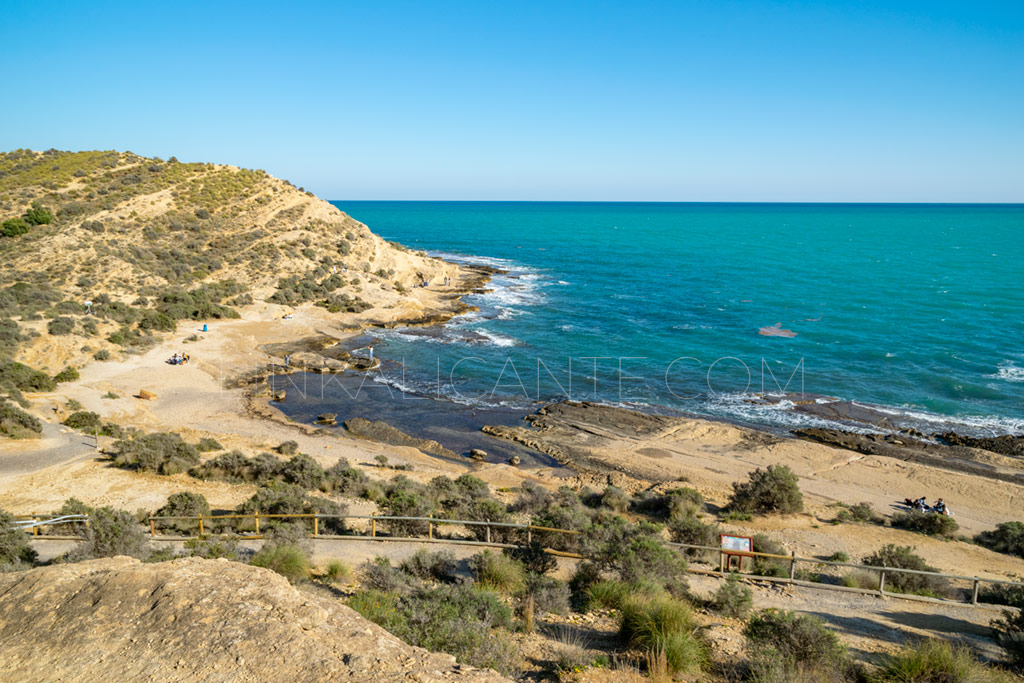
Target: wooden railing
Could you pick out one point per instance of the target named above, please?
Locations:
(207, 523)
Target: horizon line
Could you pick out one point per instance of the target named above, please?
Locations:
(685, 201)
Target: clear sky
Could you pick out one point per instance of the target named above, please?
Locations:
(673, 101)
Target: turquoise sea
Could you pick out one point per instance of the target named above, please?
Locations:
(915, 309)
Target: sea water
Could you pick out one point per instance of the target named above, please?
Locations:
(915, 309)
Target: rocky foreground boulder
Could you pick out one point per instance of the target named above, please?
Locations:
(192, 619)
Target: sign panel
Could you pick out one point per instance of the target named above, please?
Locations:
(737, 544)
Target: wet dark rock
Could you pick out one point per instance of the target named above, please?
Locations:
(1004, 445)
(382, 432)
(478, 454)
(514, 461)
(327, 418)
(956, 458)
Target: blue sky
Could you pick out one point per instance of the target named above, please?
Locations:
(659, 101)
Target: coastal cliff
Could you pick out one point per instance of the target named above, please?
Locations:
(150, 242)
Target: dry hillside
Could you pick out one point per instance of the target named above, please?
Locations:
(151, 242)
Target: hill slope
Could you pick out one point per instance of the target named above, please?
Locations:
(194, 619)
(150, 242)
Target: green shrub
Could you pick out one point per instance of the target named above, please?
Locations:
(549, 594)
(84, 421)
(60, 326)
(772, 490)
(768, 566)
(15, 551)
(206, 445)
(615, 499)
(71, 506)
(929, 523)
(608, 594)
(302, 470)
(336, 571)
(860, 578)
(12, 227)
(458, 619)
(1010, 634)
(68, 374)
(839, 556)
(24, 378)
(861, 512)
(290, 561)
(379, 575)
(183, 504)
(17, 424)
(111, 532)
(161, 452)
(428, 566)
(903, 557)
(692, 531)
(498, 572)
(534, 558)
(1002, 594)
(786, 642)
(288, 448)
(1007, 538)
(733, 599)
(38, 215)
(634, 553)
(279, 498)
(664, 624)
(935, 660)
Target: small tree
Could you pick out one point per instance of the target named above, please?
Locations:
(38, 214)
(772, 490)
(14, 227)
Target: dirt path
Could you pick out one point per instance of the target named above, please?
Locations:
(59, 446)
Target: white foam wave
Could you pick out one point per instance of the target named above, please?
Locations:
(1008, 372)
(497, 339)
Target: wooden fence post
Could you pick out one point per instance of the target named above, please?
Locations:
(256, 516)
(373, 525)
(430, 526)
(974, 596)
(488, 527)
(529, 534)
(881, 581)
(35, 529)
(152, 527)
(792, 567)
(200, 524)
(316, 525)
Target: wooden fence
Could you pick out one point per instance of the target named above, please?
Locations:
(210, 523)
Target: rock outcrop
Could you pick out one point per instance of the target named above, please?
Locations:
(384, 433)
(118, 619)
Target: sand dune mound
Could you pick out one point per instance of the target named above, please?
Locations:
(194, 619)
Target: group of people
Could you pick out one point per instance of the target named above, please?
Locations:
(178, 359)
(921, 505)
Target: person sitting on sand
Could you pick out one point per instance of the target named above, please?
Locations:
(921, 504)
(184, 358)
(940, 507)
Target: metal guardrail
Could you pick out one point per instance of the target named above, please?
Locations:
(36, 522)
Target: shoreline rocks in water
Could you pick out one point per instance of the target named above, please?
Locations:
(957, 458)
(384, 433)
